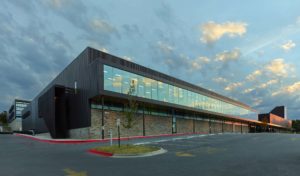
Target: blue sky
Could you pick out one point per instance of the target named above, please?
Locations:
(247, 50)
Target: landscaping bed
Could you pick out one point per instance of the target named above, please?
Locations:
(126, 151)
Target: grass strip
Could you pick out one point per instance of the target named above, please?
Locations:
(127, 149)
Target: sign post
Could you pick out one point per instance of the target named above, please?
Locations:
(118, 125)
(110, 136)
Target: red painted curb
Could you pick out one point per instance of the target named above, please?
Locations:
(102, 153)
(53, 141)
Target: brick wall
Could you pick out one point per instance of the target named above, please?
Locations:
(228, 127)
(110, 122)
(184, 125)
(201, 126)
(216, 127)
(245, 128)
(237, 128)
(155, 125)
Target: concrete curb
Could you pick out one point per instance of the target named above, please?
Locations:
(80, 141)
(111, 155)
(102, 153)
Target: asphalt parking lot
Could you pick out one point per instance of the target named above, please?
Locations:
(223, 154)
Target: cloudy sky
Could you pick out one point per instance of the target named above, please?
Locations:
(247, 50)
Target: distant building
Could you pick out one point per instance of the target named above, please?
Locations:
(277, 116)
(87, 97)
(14, 117)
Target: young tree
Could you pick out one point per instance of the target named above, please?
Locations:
(130, 109)
(3, 119)
(296, 125)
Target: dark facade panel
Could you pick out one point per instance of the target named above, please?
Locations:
(264, 118)
(27, 122)
(82, 72)
(52, 107)
(279, 111)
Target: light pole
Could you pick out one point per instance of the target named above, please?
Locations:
(118, 125)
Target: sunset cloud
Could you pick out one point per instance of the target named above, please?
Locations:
(288, 45)
(212, 31)
(278, 67)
(228, 55)
(233, 86)
(197, 63)
(248, 90)
(290, 89)
(165, 47)
(101, 26)
(268, 83)
(220, 80)
(254, 75)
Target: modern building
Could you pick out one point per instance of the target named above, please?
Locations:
(90, 94)
(14, 117)
(278, 116)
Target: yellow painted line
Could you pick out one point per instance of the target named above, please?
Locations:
(295, 139)
(70, 172)
(184, 154)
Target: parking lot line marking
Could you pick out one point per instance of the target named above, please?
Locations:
(71, 172)
(184, 154)
(143, 143)
(162, 140)
(173, 139)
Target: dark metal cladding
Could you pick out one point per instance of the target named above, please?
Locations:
(279, 111)
(82, 71)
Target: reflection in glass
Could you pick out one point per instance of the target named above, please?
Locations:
(117, 80)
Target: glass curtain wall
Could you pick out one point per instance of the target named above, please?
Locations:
(117, 80)
(19, 108)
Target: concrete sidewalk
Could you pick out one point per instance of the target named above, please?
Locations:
(48, 139)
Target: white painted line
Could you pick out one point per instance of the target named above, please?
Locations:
(142, 143)
(190, 137)
(165, 140)
(175, 139)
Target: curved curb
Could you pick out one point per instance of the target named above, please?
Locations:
(107, 154)
(102, 153)
(157, 152)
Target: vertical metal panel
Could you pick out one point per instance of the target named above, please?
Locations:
(85, 71)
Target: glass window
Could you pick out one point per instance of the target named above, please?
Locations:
(171, 94)
(119, 81)
(134, 82)
(180, 96)
(176, 96)
(162, 91)
(154, 89)
(141, 87)
(147, 83)
(126, 81)
(108, 78)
